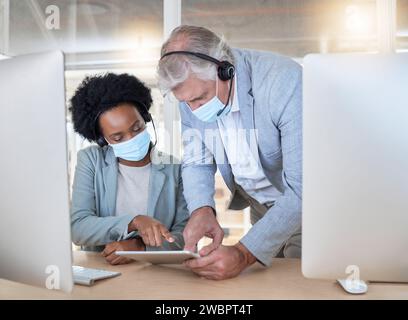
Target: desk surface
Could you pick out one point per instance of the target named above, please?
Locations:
(144, 281)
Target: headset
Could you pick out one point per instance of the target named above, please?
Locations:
(225, 69)
(147, 117)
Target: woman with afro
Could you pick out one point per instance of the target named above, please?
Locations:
(124, 197)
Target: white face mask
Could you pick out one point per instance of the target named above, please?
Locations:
(213, 109)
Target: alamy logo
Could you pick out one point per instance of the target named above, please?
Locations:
(52, 282)
(52, 22)
(353, 279)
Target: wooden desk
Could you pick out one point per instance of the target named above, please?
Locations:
(143, 281)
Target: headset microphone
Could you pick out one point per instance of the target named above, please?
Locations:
(228, 100)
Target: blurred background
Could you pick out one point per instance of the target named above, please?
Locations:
(125, 36)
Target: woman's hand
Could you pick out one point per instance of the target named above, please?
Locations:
(125, 245)
(151, 230)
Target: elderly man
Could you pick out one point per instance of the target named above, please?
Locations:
(224, 92)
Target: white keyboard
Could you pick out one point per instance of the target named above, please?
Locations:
(87, 276)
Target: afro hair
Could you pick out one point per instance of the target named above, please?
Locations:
(100, 93)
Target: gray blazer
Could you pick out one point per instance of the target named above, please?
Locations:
(270, 101)
(93, 220)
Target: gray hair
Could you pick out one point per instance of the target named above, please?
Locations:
(175, 69)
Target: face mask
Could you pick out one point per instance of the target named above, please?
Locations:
(210, 111)
(134, 149)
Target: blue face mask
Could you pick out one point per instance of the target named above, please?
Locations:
(134, 149)
(210, 111)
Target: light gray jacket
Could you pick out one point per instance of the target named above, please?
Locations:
(270, 100)
(93, 220)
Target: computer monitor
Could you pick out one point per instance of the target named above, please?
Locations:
(355, 167)
(35, 240)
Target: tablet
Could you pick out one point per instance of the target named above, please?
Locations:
(159, 257)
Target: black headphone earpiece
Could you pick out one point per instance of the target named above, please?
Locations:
(225, 69)
(101, 141)
(147, 117)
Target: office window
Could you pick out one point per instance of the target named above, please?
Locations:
(402, 25)
(96, 37)
(293, 28)
(85, 26)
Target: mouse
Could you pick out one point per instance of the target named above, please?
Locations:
(353, 286)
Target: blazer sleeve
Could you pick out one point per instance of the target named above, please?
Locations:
(266, 237)
(87, 228)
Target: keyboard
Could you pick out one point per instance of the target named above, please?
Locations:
(87, 276)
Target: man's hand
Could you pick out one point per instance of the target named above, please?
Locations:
(223, 263)
(151, 230)
(125, 245)
(202, 223)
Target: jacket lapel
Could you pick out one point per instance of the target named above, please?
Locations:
(156, 183)
(245, 96)
(110, 180)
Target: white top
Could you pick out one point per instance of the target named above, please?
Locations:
(244, 158)
(133, 190)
